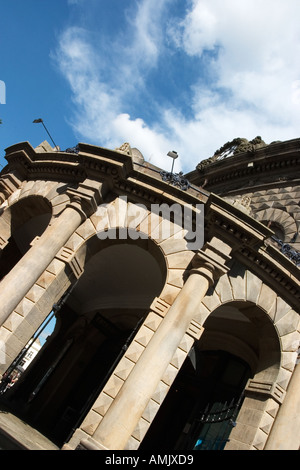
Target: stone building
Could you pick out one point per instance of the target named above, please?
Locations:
(176, 298)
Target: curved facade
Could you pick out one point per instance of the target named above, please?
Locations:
(176, 302)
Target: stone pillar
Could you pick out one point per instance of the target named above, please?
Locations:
(32, 265)
(285, 433)
(121, 418)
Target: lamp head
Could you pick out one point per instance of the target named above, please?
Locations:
(173, 154)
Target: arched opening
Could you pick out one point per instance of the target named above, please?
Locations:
(202, 404)
(201, 407)
(94, 327)
(29, 217)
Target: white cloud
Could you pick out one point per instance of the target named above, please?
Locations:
(250, 85)
(258, 45)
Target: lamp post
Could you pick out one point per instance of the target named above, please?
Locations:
(173, 155)
(37, 121)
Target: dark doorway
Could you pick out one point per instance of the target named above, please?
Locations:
(202, 404)
(94, 326)
(54, 394)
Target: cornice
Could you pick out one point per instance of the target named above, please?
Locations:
(122, 172)
(273, 164)
(247, 238)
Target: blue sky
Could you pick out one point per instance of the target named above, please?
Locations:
(184, 75)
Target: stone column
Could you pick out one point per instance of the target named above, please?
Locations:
(31, 266)
(285, 433)
(121, 418)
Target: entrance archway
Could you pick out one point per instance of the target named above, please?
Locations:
(202, 404)
(93, 329)
(239, 342)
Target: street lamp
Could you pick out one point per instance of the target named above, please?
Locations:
(37, 121)
(173, 155)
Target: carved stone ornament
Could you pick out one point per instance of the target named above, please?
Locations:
(176, 179)
(235, 147)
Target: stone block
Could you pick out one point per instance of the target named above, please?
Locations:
(267, 298)
(186, 343)
(282, 309)
(113, 386)
(223, 289)
(91, 422)
(202, 313)
(117, 213)
(124, 368)
(136, 218)
(250, 416)
(100, 220)
(13, 321)
(4, 335)
(153, 321)
(175, 277)
(24, 307)
(283, 378)
(260, 439)
(288, 323)
(102, 403)
(45, 280)
(180, 260)
(253, 287)
(134, 351)
(288, 360)
(169, 293)
(166, 230)
(160, 392)
(243, 433)
(272, 407)
(86, 230)
(290, 342)
(74, 242)
(266, 423)
(14, 345)
(178, 358)
(149, 225)
(141, 429)
(237, 280)
(170, 374)
(144, 335)
(211, 301)
(35, 293)
(173, 245)
(56, 266)
(150, 411)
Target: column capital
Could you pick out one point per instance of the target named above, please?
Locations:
(86, 197)
(212, 259)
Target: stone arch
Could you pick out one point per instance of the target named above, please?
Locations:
(50, 195)
(280, 218)
(70, 263)
(20, 223)
(244, 330)
(115, 220)
(258, 301)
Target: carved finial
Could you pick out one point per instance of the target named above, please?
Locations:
(125, 148)
(234, 147)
